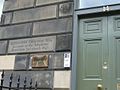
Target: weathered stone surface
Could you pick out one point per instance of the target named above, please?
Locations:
(32, 44)
(64, 42)
(31, 89)
(22, 30)
(7, 17)
(65, 9)
(42, 2)
(53, 26)
(37, 89)
(16, 4)
(43, 78)
(56, 60)
(9, 4)
(21, 62)
(62, 79)
(61, 88)
(3, 46)
(7, 62)
(35, 14)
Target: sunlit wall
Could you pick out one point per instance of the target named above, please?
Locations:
(1, 6)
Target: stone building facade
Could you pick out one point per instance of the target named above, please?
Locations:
(36, 39)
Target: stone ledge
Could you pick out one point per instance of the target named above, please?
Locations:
(44, 2)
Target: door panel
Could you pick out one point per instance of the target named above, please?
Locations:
(99, 53)
(117, 59)
(92, 53)
(114, 51)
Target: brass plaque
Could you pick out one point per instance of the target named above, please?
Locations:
(40, 61)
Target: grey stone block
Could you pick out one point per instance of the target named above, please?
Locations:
(34, 89)
(3, 46)
(61, 88)
(30, 89)
(53, 26)
(66, 9)
(21, 62)
(37, 44)
(17, 4)
(64, 77)
(64, 42)
(7, 17)
(56, 61)
(35, 14)
(43, 2)
(9, 5)
(22, 30)
(43, 78)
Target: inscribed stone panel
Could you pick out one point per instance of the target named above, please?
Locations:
(38, 44)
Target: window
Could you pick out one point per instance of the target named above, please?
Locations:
(1, 6)
(95, 3)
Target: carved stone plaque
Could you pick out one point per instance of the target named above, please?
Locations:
(38, 44)
(39, 61)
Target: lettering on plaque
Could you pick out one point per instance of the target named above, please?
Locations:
(39, 61)
(32, 44)
(67, 57)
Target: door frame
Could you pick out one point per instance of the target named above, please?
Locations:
(78, 13)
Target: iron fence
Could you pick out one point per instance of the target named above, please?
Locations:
(18, 87)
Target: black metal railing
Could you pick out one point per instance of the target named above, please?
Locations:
(18, 87)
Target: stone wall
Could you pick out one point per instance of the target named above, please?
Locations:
(35, 37)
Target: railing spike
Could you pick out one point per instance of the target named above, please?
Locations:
(10, 83)
(36, 85)
(2, 79)
(30, 84)
(18, 82)
(25, 80)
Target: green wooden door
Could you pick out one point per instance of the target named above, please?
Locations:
(98, 66)
(114, 51)
(92, 54)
